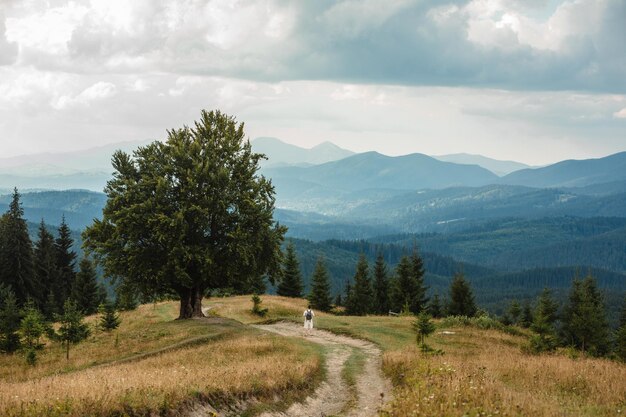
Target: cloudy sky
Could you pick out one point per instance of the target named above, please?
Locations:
(530, 80)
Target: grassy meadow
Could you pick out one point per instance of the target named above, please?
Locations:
(155, 365)
(482, 372)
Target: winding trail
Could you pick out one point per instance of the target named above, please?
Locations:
(333, 397)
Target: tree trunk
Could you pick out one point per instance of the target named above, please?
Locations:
(191, 303)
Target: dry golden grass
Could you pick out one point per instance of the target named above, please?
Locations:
(259, 365)
(150, 327)
(228, 361)
(485, 373)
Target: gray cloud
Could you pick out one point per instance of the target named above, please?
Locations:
(406, 42)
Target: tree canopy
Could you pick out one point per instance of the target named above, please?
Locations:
(188, 215)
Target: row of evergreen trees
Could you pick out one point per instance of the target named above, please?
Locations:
(377, 292)
(581, 322)
(45, 273)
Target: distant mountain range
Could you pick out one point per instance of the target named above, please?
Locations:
(280, 153)
(498, 167)
(572, 173)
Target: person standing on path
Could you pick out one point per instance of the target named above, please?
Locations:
(308, 320)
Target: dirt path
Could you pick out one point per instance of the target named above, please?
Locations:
(333, 396)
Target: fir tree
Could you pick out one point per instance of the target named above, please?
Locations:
(547, 307)
(338, 300)
(461, 298)
(85, 289)
(109, 319)
(381, 286)
(348, 301)
(9, 320)
(423, 327)
(362, 294)
(66, 263)
(32, 328)
(256, 306)
(404, 287)
(72, 330)
(291, 282)
(45, 269)
(320, 287)
(419, 301)
(16, 255)
(515, 311)
(435, 309)
(126, 297)
(620, 335)
(526, 319)
(585, 323)
(256, 284)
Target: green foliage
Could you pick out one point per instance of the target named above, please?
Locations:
(32, 327)
(46, 269)
(256, 306)
(126, 297)
(189, 215)
(434, 307)
(72, 330)
(361, 297)
(16, 254)
(526, 318)
(620, 335)
(585, 324)
(423, 327)
(85, 291)
(9, 320)
(109, 319)
(381, 286)
(291, 280)
(515, 311)
(320, 288)
(408, 288)
(461, 298)
(547, 307)
(65, 263)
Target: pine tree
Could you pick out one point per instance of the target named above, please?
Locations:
(72, 330)
(435, 309)
(85, 289)
(348, 301)
(32, 327)
(256, 284)
(544, 318)
(126, 297)
(291, 282)
(547, 307)
(585, 324)
(256, 306)
(9, 320)
(362, 293)
(423, 327)
(515, 311)
(381, 286)
(461, 298)
(320, 287)
(16, 255)
(620, 336)
(66, 263)
(419, 299)
(404, 288)
(526, 319)
(109, 319)
(45, 266)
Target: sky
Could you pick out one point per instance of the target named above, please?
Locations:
(536, 81)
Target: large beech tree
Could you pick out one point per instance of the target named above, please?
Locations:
(188, 215)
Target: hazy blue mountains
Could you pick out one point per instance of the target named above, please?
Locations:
(279, 153)
(494, 165)
(572, 173)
